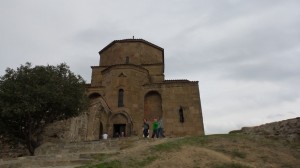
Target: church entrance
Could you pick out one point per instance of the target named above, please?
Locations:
(119, 130)
(120, 125)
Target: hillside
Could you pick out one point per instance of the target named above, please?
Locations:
(215, 151)
(269, 146)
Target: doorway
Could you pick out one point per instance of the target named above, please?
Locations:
(119, 130)
(101, 130)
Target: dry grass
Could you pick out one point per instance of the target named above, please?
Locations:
(216, 151)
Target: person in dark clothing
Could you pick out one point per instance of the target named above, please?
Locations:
(161, 128)
(146, 129)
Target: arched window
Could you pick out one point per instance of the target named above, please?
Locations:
(181, 117)
(121, 98)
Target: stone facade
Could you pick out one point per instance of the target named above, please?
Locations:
(129, 85)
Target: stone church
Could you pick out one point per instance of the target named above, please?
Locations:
(129, 85)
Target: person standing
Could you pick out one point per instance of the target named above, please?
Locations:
(161, 128)
(155, 128)
(146, 129)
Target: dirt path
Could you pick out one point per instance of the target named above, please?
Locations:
(138, 148)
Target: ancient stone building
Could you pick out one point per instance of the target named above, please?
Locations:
(129, 85)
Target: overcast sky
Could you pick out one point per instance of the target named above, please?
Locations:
(245, 54)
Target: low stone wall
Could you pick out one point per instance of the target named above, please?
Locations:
(103, 146)
(286, 129)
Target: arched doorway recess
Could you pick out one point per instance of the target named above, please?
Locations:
(152, 105)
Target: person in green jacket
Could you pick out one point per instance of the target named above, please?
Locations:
(155, 128)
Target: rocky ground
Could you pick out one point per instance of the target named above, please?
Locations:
(286, 129)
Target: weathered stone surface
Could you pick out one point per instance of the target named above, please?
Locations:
(286, 129)
(103, 146)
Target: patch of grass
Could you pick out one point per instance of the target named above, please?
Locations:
(234, 153)
(142, 163)
(102, 156)
(200, 141)
(220, 148)
(133, 163)
(167, 147)
(147, 161)
(111, 164)
(195, 140)
(230, 165)
(238, 153)
(288, 165)
(177, 144)
(264, 158)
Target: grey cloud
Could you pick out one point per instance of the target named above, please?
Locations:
(274, 116)
(245, 54)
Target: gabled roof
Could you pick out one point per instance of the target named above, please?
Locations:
(131, 40)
